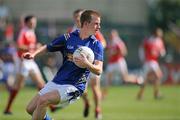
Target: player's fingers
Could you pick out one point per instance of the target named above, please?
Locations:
(27, 56)
(76, 59)
(83, 55)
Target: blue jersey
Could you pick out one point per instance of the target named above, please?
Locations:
(69, 73)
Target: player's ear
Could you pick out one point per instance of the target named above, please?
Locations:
(86, 23)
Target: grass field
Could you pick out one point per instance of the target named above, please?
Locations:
(121, 104)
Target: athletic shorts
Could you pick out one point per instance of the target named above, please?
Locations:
(119, 66)
(150, 66)
(93, 76)
(26, 66)
(68, 93)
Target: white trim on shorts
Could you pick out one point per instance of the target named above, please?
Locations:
(63, 90)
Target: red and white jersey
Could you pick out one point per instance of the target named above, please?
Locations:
(115, 51)
(153, 48)
(26, 38)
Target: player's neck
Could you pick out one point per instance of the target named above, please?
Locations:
(83, 34)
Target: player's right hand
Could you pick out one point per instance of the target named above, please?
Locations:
(27, 55)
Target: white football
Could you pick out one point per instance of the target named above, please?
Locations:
(86, 51)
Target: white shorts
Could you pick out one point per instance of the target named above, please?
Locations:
(117, 67)
(26, 66)
(93, 76)
(150, 66)
(68, 93)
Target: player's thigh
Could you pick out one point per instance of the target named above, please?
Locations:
(19, 81)
(37, 78)
(32, 104)
(122, 68)
(94, 79)
(52, 97)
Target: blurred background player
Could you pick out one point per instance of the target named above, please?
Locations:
(50, 68)
(8, 55)
(26, 42)
(116, 52)
(94, 79)
(152, 48)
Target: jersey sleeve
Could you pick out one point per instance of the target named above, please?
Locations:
(57, 44)
(98, 52)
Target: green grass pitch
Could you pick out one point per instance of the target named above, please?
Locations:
(120, 104)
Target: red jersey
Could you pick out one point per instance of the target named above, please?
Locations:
(152, 48)
(26, 38)
(101, 38)
(115, 51)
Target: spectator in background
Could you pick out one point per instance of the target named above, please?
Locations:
(94, 79)
(151, 49)
(116, 52)
(9, 32)
(4, 17)
(4, 14)
(50, 68)
(8, 55)
(26, 42)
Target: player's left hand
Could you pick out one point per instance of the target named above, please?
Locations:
(28, 55)
(82, 61)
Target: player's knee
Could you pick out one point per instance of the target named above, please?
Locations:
(43, 102)
(29, 110)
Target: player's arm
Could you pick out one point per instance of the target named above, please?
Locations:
(40, 50)
(95, 68)
(162, 49)
(122, 48)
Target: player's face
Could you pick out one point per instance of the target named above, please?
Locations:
(77, 19)
(94, 25)
(32, 23)
(159, 33)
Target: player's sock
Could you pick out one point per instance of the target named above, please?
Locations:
(157, 95)
(98, 114)
(47, 117)
(12, 96)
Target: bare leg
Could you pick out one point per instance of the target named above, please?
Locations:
(38, 80)
(32, 104)
(86, 104)
(108, 82)
(129, 78)
(43, 102)
(156, 83)
(141, 91)
(95, 85)
(18, 84)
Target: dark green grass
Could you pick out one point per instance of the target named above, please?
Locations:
(121, 104)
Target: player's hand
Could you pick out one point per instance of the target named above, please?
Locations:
(28, 55)
(82, 61)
